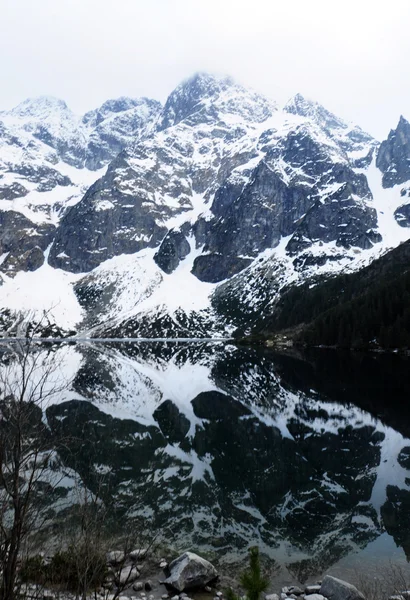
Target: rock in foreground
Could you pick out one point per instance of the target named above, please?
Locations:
(337, 589)
(190, 571)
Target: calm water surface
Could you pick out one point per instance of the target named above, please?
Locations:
(306, 456)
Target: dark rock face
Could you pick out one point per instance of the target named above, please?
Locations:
(46, 177)
(402, 215)
(404, 458)
(340, 219)
(31, 260)
(23, 241)
(13, 191)
(106, 223)
(173, 424)
(174, 248)
(393, 158)
(266, 210)
(394, 512)
(216, 267)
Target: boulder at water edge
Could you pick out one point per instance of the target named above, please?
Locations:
(190, 571)
(337, 589)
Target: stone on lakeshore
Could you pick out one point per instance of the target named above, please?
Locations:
(294, 589)
(190, 571)
(164, 596)
(208, 589)
(219, 594)
(127, 575)
(314, 597)
(163, 564)
(115, 557)
(138, 554)
(312, 589)
(148, 585)
(337, 589)
(271, 597)
(175, 598)
(138, 586)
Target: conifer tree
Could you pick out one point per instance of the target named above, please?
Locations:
(251, 580)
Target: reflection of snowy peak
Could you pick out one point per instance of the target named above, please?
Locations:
(239, 447)
(219, 195)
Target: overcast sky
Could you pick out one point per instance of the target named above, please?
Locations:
(352, 55)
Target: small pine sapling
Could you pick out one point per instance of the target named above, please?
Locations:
(251, 580)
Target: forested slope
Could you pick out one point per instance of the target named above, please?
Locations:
(369, 307)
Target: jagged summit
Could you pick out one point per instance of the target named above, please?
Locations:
(204, 92)
(115, 106)
(393, 158)
(305, 107)
(41, 106)
(188, 97)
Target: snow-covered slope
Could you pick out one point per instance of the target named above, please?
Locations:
(208, 208)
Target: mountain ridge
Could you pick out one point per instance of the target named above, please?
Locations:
(219, 192)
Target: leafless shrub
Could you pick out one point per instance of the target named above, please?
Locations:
(28, 469)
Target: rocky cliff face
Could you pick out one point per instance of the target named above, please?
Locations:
(393, 158)
(216, 197)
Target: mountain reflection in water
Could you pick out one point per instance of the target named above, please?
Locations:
(306, 456)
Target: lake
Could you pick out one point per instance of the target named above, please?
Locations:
(224, 447)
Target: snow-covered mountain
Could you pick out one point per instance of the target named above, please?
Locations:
(187, 219)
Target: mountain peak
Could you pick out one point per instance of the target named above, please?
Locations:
(403, 122)
(299, 105)
(203, 90)
(305, 107)
(39, 106)
(205, 83)
(118, 105)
